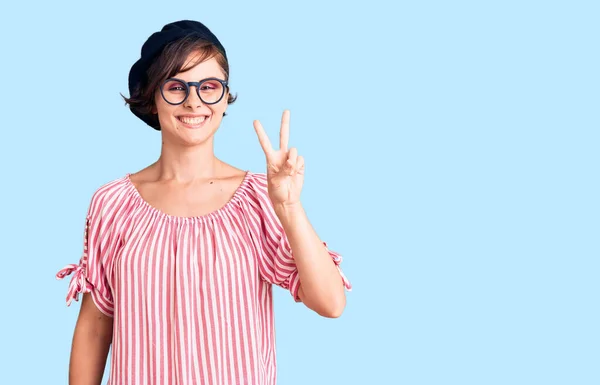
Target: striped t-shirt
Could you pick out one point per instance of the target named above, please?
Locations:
(191, 297)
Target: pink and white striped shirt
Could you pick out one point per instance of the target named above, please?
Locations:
(191, 298)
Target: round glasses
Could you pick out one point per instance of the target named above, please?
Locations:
(176, 91)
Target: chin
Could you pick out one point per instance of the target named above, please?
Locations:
(191, 136)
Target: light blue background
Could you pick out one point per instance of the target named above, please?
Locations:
(452, 158)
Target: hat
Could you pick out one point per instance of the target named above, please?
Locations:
(155, 45)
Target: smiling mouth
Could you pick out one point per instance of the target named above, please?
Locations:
(192, 121)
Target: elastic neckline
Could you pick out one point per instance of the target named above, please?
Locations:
(236, 196)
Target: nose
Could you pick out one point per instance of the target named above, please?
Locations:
(193, 100)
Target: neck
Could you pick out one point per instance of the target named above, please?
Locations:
(186, 164)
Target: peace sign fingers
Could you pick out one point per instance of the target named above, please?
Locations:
(285, 168)
(284, 135)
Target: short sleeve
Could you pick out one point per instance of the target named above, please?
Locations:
(89, 276)
(276, 262)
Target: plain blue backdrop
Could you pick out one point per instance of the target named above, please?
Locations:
(451, 157)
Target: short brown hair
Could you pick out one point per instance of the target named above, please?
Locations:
(170, 62)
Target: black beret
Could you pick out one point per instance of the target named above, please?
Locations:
(155, 45)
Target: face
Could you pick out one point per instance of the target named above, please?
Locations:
(192, 122)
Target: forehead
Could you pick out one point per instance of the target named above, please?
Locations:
(193, 69)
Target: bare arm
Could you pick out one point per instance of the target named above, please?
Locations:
(91, 343)
(321, 287)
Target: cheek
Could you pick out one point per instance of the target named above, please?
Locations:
(163, 108)
(221, 107)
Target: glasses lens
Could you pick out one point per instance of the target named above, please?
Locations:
(174, 91)
(211, 91)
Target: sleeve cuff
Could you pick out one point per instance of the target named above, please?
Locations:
(80, 285)
(337, 259)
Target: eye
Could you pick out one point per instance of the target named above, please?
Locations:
(208, 86)
(174, 86)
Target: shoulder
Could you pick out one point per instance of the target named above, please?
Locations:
(109, 195)
(257, 180)
(256, 184)
(255, 192)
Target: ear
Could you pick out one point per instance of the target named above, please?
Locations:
(226, 100)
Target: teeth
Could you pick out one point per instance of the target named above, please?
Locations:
(193, 121)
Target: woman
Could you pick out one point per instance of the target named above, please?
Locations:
(180, 258)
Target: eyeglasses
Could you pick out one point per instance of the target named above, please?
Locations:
(176, 91)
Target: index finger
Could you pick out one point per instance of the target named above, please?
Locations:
(265, 143)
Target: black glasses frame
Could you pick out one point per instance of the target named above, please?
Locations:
(188, 85)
